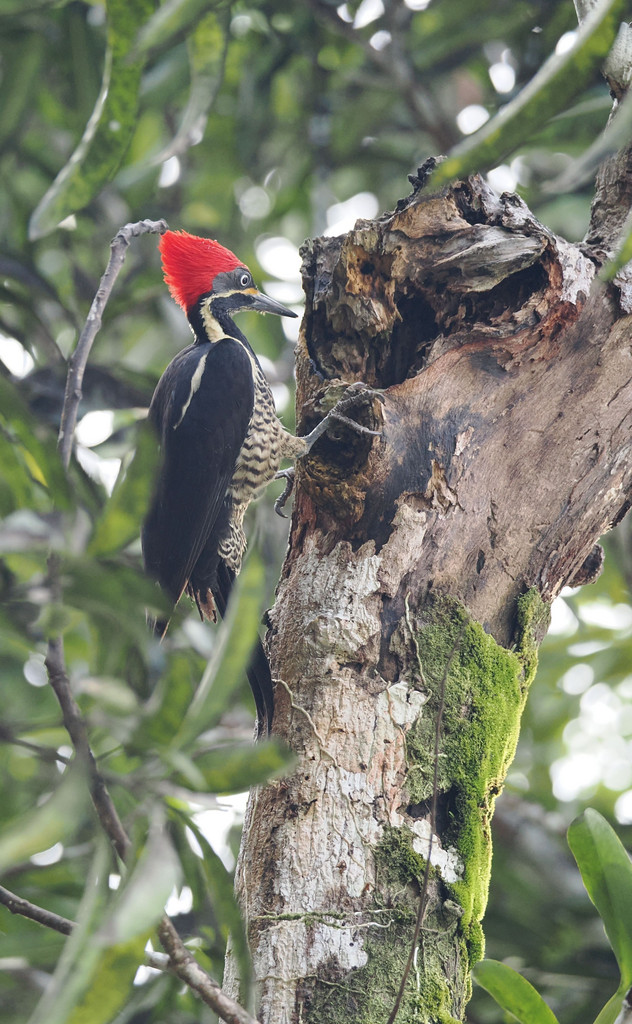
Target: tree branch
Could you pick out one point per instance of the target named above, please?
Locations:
(17, 905)
(183, 963)
(76, 729)
(79, 358)
(179, 960)
(48, 754)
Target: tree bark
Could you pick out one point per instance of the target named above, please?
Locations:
(417, 584)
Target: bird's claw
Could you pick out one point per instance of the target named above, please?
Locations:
(356, 390)
(360, 386)
(288, 476)
(358, 427)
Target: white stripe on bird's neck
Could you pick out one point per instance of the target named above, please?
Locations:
(196, 380)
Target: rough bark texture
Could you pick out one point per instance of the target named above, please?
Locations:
(506, 376)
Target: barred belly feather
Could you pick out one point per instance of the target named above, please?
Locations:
(266, 444)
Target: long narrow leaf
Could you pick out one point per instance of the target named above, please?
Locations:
(207, 46)
(561, 79)
(607, 874)
(39, 446)
(55, 821)
(96, 970)
(125, 511)
(140, 902)
(227, 667)
(78, 961)
(170, 22)
(109, 130)
(111, 984)
(219, 885)
(234, 769)
(513, 993)
(612, 1009)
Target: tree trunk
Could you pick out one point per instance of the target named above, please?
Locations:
(416, 588)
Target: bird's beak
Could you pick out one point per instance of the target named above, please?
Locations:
(264, 304)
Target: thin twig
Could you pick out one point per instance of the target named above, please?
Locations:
(178, 961)
(49, 754)
(183, 963)
(17, 905)
(423, 898)
(77, 730)
(79, 358)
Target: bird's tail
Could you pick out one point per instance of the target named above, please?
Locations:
(258, 671)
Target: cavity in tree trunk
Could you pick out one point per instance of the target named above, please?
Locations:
(417, 585)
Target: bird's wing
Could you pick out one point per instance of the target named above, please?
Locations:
(201, 408)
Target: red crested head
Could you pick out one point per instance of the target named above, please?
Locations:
(191, 264)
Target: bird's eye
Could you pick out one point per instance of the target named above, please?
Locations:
(245, 280)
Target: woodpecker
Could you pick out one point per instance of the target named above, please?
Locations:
(220, 438)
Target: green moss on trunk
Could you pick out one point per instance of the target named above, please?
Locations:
(485, 693)
(485, 690)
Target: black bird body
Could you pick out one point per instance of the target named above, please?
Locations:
(191, 510)
(221, 443)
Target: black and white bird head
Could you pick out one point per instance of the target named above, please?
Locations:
(210, 283)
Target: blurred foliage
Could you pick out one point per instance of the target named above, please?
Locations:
(606, 871)
(251, 121)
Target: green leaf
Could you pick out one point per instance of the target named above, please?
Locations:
(140, 902)
(127, 506)
(111, 594)
(207, 46)
(553, 87)
(38, 446)
(607, 874)
(91, 983)
(513, 993)
(21, 6)
(171, 698)
(235, 769)
(22, 62)
(79, 958)
(227, 667)
(55, 620)
(17, 488)
(220, 889)
(172, 20)
(612, 1009)
(110, 127)
(55, 821)
(110, 986)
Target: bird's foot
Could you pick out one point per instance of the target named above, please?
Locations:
(288, 476)
(338, 414)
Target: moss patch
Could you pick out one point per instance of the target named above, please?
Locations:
(485, 689)
(367, 995)
(485, 693)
